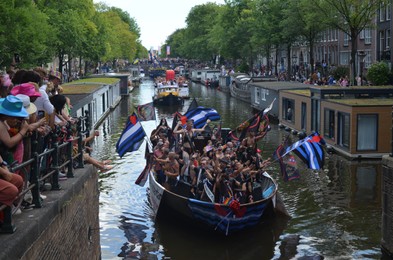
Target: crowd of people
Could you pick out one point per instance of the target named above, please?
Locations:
(220, 171)
(32, 103)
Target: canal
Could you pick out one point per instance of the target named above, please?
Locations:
(336, 212)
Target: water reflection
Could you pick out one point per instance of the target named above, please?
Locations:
(192, 243)
(336, 212)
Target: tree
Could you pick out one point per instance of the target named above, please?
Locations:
(199, 21)
(69, 21)
(24, 31)
(350, 17)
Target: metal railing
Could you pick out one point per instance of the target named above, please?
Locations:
(39, 174)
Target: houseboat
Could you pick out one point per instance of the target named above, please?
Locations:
(209, 77)
(264, 92)
(196, 75)
(355, 121)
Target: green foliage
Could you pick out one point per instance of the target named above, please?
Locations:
(379, 73)
(243, 67)
(23, 30)
(339, 71)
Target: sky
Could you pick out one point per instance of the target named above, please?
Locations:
(157, 19)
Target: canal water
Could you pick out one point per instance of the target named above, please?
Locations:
(336, 212)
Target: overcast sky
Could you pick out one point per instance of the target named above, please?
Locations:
(157, 19)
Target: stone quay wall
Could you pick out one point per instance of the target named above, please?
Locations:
(66, 227)
(387, 206)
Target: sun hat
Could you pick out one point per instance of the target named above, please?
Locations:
(30, 107)
(55, 73)
(27, 89)
(12, 106)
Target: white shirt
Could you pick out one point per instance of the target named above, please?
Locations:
(43, 102)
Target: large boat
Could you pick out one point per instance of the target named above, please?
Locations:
(167, 95)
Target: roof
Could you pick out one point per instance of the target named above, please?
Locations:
(280, 85)
(369, 102)
(81, 88)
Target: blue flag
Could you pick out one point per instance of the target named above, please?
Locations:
(132, 136)
(201, 114)
(309, 150)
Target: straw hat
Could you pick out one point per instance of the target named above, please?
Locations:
(30, 107)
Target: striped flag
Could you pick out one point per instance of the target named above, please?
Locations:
(201, 114)
(131, 137)
(309, 150)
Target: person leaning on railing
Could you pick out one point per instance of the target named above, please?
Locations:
(10, 185)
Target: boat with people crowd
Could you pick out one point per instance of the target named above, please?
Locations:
(200, 173)
(170, 91)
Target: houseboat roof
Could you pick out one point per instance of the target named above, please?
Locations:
(361, 102)
(280, 85)
(300, 92)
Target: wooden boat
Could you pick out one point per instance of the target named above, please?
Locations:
(226, 218)
(167, 95)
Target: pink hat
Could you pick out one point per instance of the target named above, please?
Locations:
(27, 89)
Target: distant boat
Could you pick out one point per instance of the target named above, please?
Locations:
(184, 91)
(167, 95)
(240, 89)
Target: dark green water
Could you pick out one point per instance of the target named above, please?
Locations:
(336, 212)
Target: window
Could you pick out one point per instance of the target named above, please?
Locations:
(381, 41)
(343, 129)
(304, 116)
(367, 59)
(329, 124)
(264, 93)
(346, 39)
(367, 132)
(387, 45)
(388, 11)
(382, 13)
(344, 58)
(367, 36)
(315, 114)
(361, 35)
(257, 95)
(288, 109)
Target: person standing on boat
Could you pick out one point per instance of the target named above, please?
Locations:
(189, 132)
(171, 171)
(251, 140)
(185, 161)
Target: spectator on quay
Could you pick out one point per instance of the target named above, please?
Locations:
(5, 85)
(55, 78)
(11, 185)
(43, 104)
(58, 102)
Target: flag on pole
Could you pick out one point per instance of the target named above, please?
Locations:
(309, 150)
(288, 164)
(258, 122)
(146, 112)
(201, 114)
(132, 136)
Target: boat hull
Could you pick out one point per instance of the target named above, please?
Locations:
(225, 219)
(169, 100)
